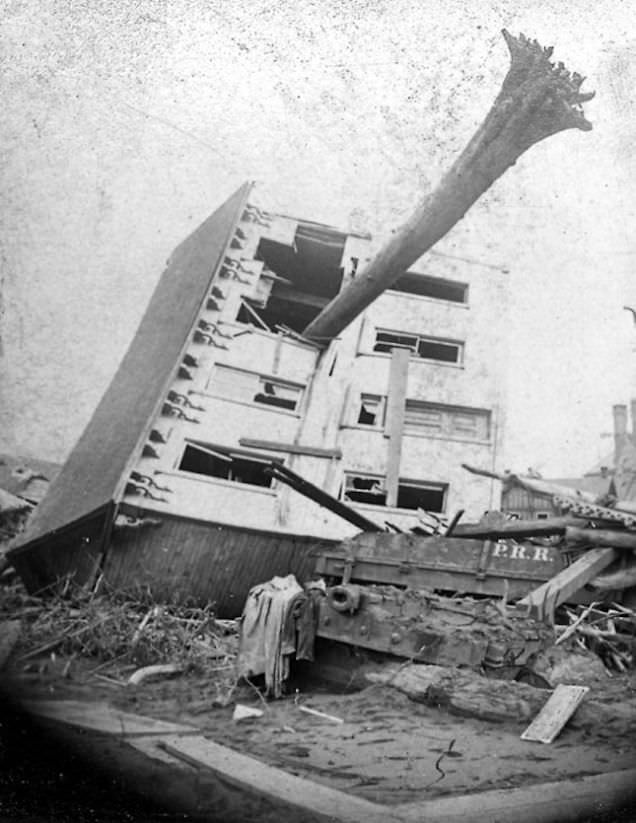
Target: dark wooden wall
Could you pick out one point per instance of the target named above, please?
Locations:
(195, 561)
(74, 552)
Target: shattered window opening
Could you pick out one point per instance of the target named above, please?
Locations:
(438, 288)
(360, 488)
(276, 393)
(310, 276)
(248, 315)
(237, 466)
(428, 496)
(428, 348)
(372, 410)
(412, 494)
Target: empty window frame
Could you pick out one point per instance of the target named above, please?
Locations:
(412, 494)
(364, 488)
(438, 420)
(436, 287)
(417, 495)
(428, 348)
(249, 387)
(371, 410)
(226, 464)
(277, 393)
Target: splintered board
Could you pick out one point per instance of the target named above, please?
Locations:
(560, 707)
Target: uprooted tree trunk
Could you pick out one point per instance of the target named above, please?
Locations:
(465, 693)
(537, 99)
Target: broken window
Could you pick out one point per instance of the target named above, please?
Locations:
(436, 287)
(307, 273)
(364, 488)
(415, 495)
(249, 387)
(542, 515)
(386, 340)
(371, 411)
(248, 314)
(276, 393)
(412, 494)
(428, 348)
(217, 461)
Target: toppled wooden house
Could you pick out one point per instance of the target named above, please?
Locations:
(167, 486)
(271, 339)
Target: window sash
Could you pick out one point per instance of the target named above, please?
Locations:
(438, 349)
(471, 424)
(377, 494)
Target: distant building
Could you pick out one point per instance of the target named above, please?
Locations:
(168, 487)
(612, 477)
(23, 483)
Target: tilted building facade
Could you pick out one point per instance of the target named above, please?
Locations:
(168, 486)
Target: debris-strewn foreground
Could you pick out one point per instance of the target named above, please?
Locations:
(378, 727)
(81, 637)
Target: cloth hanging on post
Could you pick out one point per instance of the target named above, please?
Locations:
(279, 620)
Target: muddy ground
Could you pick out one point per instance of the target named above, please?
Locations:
(388, 750)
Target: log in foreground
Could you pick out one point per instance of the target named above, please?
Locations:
(467, 694)
(536, 99)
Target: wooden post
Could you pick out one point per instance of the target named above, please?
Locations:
(394, 425)
(537, 99)
(542, 601)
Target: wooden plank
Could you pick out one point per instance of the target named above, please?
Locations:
(205, 561)
(560, 707)
(296, 296)
(291, 448)
(394, 426)
(276, 784)
(543, 600)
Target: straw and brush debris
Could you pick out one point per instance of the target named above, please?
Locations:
(117, 632)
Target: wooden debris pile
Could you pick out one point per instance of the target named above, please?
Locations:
(609, 631)
(116, 632)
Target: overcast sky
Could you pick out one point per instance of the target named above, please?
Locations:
(126, 124)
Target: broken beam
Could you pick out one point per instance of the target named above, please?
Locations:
(321, 497)
(602, 537)
(291, 448)
(543, 601)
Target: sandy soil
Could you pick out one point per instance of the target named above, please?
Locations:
(389, 749)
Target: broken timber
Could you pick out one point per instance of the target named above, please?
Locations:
(601, 537)
(543, 601)
(321, 497)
